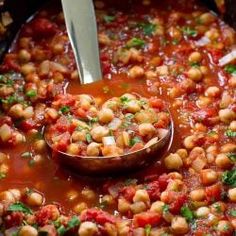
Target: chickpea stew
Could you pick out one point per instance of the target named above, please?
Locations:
(172, 51)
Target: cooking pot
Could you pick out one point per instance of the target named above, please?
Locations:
(21, 10)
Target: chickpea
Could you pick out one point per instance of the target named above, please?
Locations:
(88, 229)
(222, 161)
(208, 176)
(104, 39)
(204, 70)
(207, 18)
(40, 145)
(232, 82)
(93, 149)
(136, 72)
(27, 230)
(7, 196)
(80, 207)
(24, 56)
(99, 132)
(195, 57)
(51, 113)
(175, 175)
(147, 116)
(218, 208)
(179, 225)
(146, 129)
(112, 150)
(157, 206)
(227, 115)
(138, 207)
(28, 112)
(133, 106)
(24, 42)
(16, 111)
(175, 33)
(108, 199)
(105, 115)
(175, 185)
(88, 194)
(28, 69)
(232, 194)
(194, 74)
(141, 195)
(58, 48)
(197, 195)
(73, 149)
(34, 199)
(16, 193)
(123, 227)
(189, 142)
(224, 227)
(123, 205)
(173, 161)
(202, 212)
(212, 91)
(232, 125)
(79, 136)
(228, 147)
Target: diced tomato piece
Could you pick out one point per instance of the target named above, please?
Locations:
(214, 192)
(43, 27)
(13, 219)
(27, 125)
(147, 218)
(203, 115)
(163, 181)
(81, 113)
(156, 103)
(128, 192)
(179, 201)
(47, 214)
(216, 55)
(153, 190)
(99, 216)
(63, 143)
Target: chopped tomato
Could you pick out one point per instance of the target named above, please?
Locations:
(147, 218)
(47, 214)
(128, 192)
(163, 181)
(13, 219)
(214, 192)
(153, 190)
(156, 103)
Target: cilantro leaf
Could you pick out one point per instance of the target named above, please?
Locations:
(135, 140)
(31, 93)
(61, 230)
(233, 212)
(165, 209)
(65, 109)
(148, 28)
(229, 177)
(20, 207)
(187, 213)
(89, 138)
(148, 229)
(190, 32)
(135, 42)
(232, 156)
(73, 222)
(230, 133)
(231, 69)
(109, 19)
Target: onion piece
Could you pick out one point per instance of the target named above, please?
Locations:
(115, 124)
(203, 41)
(162, 133)
(109, 140)
(151, 142)
(227, 58)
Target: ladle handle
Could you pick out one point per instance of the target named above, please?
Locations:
(82, 30)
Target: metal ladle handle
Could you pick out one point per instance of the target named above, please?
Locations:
(82, 31)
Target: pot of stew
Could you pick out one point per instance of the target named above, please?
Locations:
(156, 56)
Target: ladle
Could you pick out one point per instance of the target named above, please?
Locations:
(82, 31)
(117, 164)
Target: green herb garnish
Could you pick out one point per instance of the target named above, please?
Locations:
(229, 177)
(31, 93)
(232, 156)
(65, 109)
(230, 133)
(135, 43)
(190, 32)
(109, 19)
(148, 28)
(73, 222)
(3, 175)
(231, 69)
(165, 209)
(20, 207)
(135, 140)
(89, 138)
(148, 229)
(187, 213)
(233, 213)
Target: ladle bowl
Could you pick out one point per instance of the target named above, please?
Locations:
(116, 164)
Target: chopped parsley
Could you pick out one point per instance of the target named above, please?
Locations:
(109, 19)
(65, 109)
(187, 213)
(135, 140)
(72, 223)
(135, 43)
(231, 69)
(233, 212)
(231, 134)
(190, 32)
(20, 207)
(232, 156)
(89, 138)
(148, 28)
(2, 175)
(165, 208)
(229, 177)
(124, 99)
(148, 229)
(31, 93)
(195, 64)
